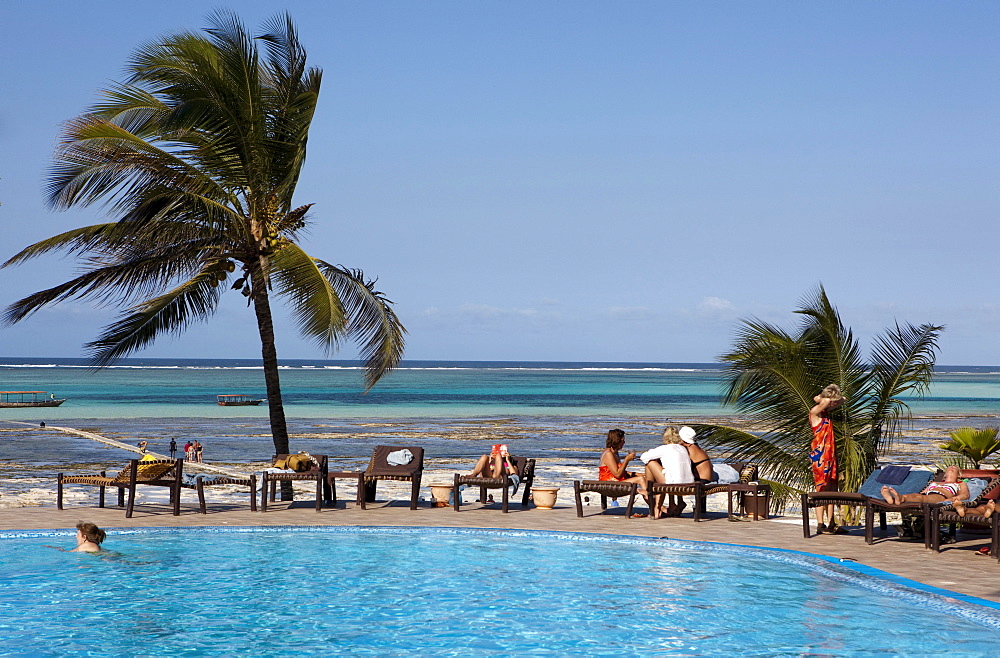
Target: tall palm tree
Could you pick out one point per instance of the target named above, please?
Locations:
(771, 376)
(197, 155)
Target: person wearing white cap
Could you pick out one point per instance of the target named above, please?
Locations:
(701, 464)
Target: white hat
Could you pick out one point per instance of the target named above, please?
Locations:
(687, 434)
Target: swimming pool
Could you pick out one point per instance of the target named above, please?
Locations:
(270, 591)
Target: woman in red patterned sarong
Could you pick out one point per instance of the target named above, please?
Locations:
(823, 454)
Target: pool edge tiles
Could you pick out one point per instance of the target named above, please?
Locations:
(970, 608)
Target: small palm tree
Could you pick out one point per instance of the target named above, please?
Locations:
(772, 375)
(197, 155)
(975, 445)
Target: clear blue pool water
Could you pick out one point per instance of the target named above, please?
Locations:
(394, 591)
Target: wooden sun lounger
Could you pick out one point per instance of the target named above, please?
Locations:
(380, 469)
(200, 484)
(700, 490)
(607, 489)
(317, 473)
(915, 481)
(933, 514)
(525, 472)
(159, 473)
(945, 513)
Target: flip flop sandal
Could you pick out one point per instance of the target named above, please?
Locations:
(985, 550)
(639, 516)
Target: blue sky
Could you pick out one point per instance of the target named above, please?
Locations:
(600, 181)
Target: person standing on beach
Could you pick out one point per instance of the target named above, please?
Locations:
(197, 451)
(142, 447)
(173, 448)
(187, 451)
(823, 455)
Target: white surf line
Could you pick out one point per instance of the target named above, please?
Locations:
(125, 446)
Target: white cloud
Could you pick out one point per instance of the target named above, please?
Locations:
(716, 305)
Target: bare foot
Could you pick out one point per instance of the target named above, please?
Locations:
(991, 507)
(959, 508)
(891, 495)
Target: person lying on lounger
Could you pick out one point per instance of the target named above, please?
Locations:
(949, 489)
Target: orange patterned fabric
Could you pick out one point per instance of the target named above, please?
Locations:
(823, 456)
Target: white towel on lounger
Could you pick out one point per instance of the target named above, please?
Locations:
(399, 457)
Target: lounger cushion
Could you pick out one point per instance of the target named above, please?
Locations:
(915, 481)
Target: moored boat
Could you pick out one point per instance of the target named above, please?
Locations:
(29, 399)
(237, 400)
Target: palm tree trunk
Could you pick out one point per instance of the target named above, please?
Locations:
(269, 354)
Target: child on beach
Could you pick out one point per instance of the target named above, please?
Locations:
(823, 455)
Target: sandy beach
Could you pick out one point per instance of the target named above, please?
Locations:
(32, 484)
(27, 501)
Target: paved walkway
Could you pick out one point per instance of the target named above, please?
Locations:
(956, 568)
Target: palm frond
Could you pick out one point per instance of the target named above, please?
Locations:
(373, 323)
(771, 376)
(194, 300)
(317, 309)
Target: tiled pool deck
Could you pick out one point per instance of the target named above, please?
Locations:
(956, 568)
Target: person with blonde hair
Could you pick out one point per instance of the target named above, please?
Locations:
(669, 463)
(823, 455)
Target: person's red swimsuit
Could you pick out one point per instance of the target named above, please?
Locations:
(604, 473)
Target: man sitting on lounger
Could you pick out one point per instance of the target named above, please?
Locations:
(950, 489)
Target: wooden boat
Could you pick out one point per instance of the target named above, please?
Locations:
(29, 399)
(237, 400)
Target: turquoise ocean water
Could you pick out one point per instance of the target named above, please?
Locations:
(459, 408)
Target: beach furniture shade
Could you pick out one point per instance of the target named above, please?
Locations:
(525, 469)
(870, 489)
(317, 473)
(158, 473)
(606, 488)
(383, 466)
(700, 490)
